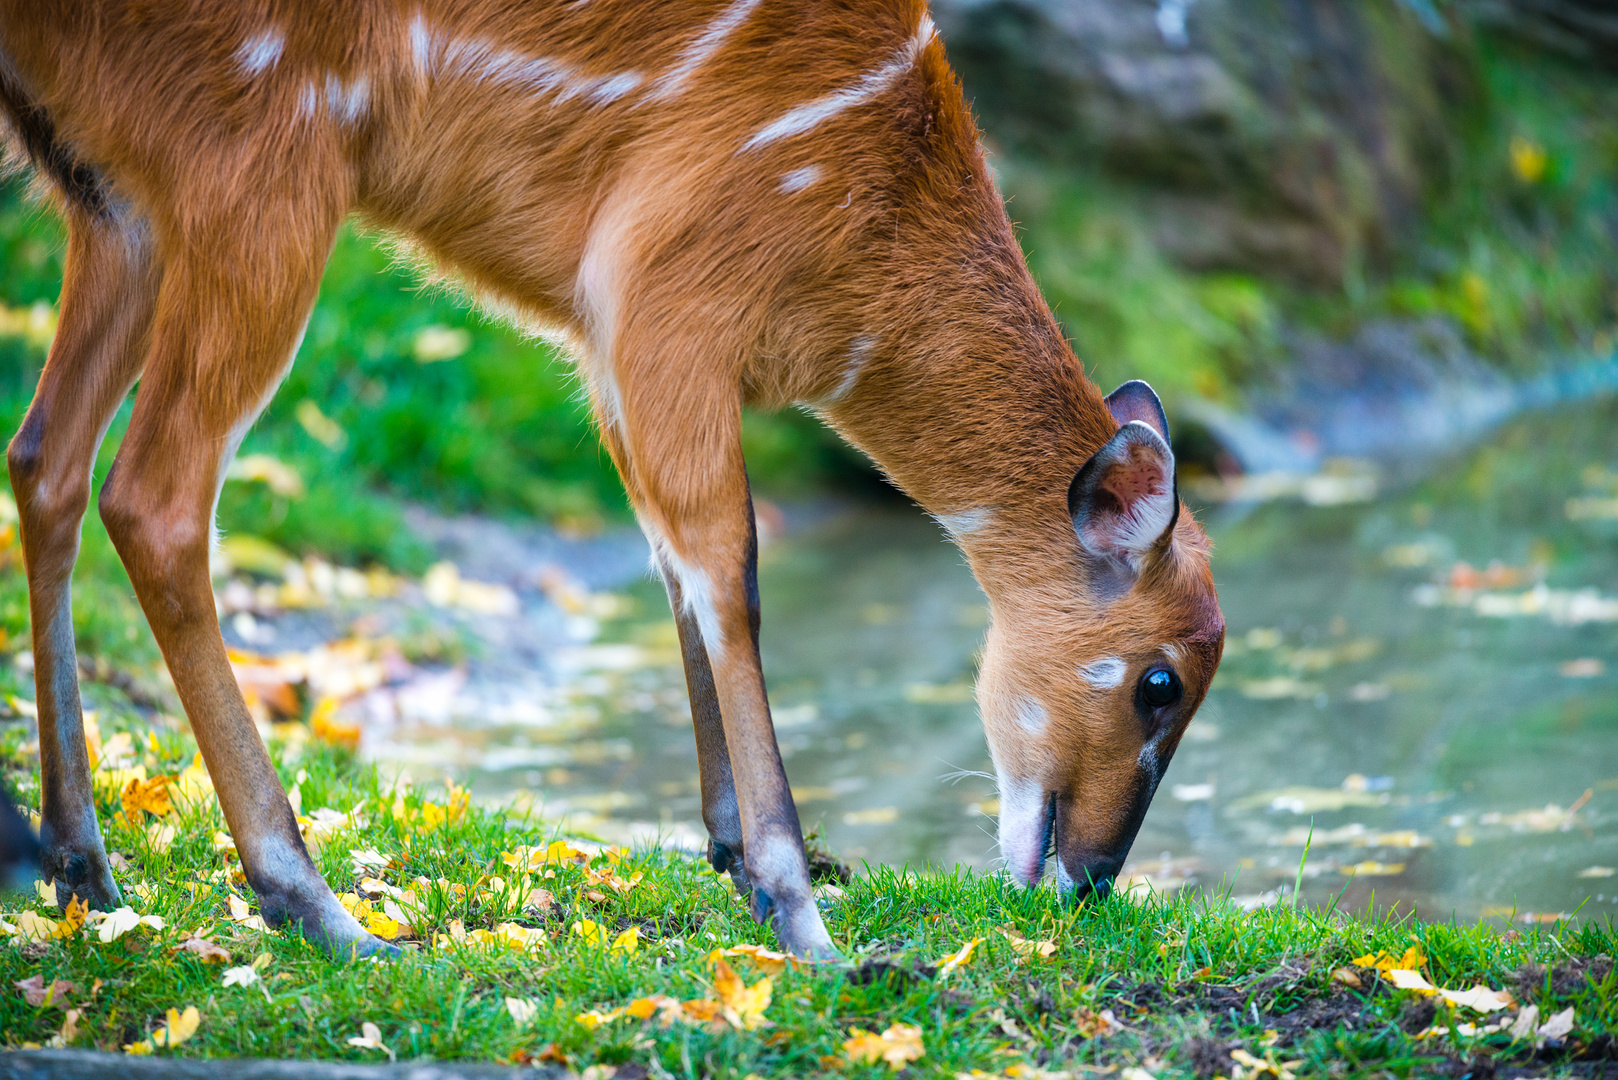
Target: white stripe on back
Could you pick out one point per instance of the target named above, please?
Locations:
(806, 118)
(702, 49)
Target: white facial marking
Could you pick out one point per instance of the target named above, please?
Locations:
(859, 355)
(702, 49)
(1023, 816)
(260, 52)
(1030, 715)
(798, 179)
(962, 524)
(1104, 674)
(807, 117)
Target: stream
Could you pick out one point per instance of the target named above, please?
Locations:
(1419, 683)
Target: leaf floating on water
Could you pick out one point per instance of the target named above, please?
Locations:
(876, 815)
(1597, 872)
(1372, 868)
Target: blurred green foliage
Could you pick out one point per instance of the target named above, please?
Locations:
(1520, 249)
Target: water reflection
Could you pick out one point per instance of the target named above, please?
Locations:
(1421, 688)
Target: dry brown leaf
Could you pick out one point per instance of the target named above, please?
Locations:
(37, 994)
(205, 950)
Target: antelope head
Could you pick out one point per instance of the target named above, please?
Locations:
(1095, 665)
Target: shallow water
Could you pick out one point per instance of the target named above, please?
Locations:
(1434, 738)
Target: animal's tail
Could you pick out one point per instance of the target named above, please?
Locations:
(34, 139)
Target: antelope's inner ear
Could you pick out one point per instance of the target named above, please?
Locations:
(1123, 500)
(1134, 400)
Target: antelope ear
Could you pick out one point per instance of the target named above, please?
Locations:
(1134, 400)
(1123, 501)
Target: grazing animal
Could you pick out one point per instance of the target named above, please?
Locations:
(714, 203)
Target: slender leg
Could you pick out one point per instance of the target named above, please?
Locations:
(227, 322)
(681, 457)
(720, 812)
(109, 290)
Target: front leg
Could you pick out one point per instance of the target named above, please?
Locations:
(719, 809)
(698, 515)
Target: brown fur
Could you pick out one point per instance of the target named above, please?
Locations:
(688, 281)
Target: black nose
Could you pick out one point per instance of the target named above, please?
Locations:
(1088, 876)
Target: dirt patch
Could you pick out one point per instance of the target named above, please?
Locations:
(1210, 1057)
(1565, 979)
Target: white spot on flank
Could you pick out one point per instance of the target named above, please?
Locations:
(798, 179)
(806, 118)
(423, 45)
(1104, 674)
(964, 523)
(859, 355)
(1030, 715)
(260, 52)
(309, 100)
(347, 102)
(702, 49)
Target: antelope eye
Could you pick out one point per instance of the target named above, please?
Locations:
(1159, 688)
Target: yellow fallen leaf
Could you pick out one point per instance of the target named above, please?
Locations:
(146, 796)
(1384, 961)
(370, 1038)
(159, 836)
(899, 1045)
(382, 926)
(1409, 980)
(522, 1011)
(741, 1005)
(588, 930)
(766, 960)
(593, 1019)
(1024, 947)
(72, 918)
(116, 924)
(34, 928)
(46, 891)
(960, 958)
(325, 725)
(627, 942)
(242, 915)
(1479, 999)
(180, 1027)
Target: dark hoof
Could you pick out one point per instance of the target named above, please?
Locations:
(726, 859)
(83, 874)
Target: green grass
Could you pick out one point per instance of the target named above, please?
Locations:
(1169, 970)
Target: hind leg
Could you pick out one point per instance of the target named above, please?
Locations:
(108, 294)
(228, 320)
